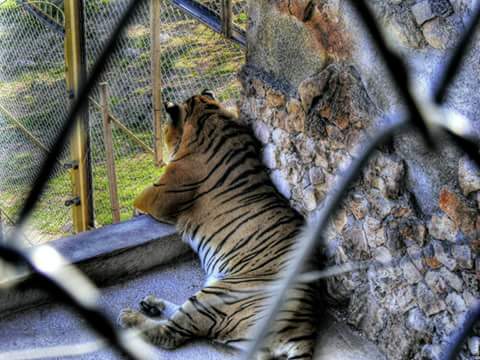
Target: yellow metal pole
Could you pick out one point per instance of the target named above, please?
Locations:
(1, 228)
(2, 266)
(75, 75)
(155, 10)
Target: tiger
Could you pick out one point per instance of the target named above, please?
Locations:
(219, 195)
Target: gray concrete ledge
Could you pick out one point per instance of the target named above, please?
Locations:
(53, 325)
(118, 259)
(105, 255)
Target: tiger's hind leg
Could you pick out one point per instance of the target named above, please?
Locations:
(194, 319)
(301, 349)
(295, 349)
(158, 332)
(152, 306)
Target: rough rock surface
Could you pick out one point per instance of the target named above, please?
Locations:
(412, 207)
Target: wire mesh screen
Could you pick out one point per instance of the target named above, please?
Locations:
(193, 58)
(33, 102)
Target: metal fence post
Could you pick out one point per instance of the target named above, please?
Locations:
(1, 226)
(75, 62)
(155, 11)
(109, 154)
(2, 266)
(227, 18)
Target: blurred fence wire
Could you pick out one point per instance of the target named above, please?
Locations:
(426, 122)
(83, 298)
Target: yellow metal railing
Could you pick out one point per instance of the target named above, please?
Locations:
(50, 11)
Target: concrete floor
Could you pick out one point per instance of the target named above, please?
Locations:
(53, 325)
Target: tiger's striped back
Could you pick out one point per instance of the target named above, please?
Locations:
(217, 192)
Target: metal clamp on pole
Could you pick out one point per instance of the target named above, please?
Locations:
(73, 202)
(71, 165)
(227, 18)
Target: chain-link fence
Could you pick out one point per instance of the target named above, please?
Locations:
(418, 117)
(33, 93)
(33, 101)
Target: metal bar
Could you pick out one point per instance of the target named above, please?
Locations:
(314, 236)
(48, 9)
(118, 123)
(227, 18)
(155, 32)
(453, 347)
(7, 217)
(43, 18)
(110, 159)
(210, 19)
(134, 137)
(24, 130)
(76, 71)
(9, 220)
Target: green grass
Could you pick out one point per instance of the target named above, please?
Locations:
(133, 175)
(8, 4)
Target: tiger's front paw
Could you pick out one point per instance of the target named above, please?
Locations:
(130, 318)
(152, 306)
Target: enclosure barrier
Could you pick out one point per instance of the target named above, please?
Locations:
(27, 125)
(81, 167)
(83, 298)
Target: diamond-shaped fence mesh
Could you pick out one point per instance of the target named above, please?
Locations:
(33, 102)
(33, 93)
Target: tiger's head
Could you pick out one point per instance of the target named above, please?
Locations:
(190, 127)
(186, 117)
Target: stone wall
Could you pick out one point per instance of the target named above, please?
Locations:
(314, 89)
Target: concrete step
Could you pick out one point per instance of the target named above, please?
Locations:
(51, 325)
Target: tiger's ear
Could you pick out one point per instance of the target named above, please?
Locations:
(174, 111)
(209, 93)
